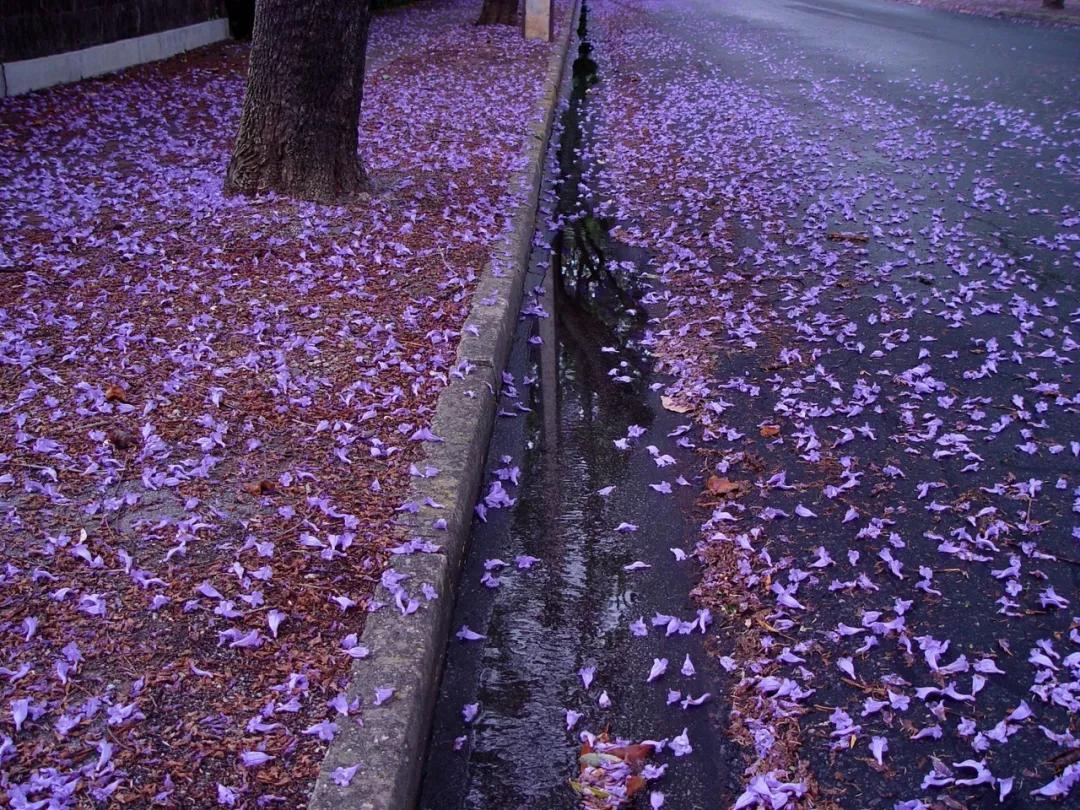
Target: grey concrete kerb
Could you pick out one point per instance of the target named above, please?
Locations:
(406, 652)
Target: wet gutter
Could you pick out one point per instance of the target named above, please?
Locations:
(562, 410)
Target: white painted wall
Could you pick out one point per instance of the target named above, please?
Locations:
(61, 68)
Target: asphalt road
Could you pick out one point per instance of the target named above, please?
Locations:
(904, 55)
(950, 143)
(996, 59)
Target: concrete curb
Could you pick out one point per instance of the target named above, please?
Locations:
(60, 68)
(406, 652)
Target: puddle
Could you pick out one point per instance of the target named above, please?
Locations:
(573, 608)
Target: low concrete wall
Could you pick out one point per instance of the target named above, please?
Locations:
(33, 28)
(34, 74)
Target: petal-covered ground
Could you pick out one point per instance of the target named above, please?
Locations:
(211, 404)
(871, 311)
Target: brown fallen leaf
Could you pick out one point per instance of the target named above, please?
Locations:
(122, 439)
(722, 486)
(769, 431)
(847, 236)
(671, 404)
(258, 488)
(633, 755)
(635, 784)
(114, 393)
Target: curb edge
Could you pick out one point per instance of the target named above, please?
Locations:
(407, 652)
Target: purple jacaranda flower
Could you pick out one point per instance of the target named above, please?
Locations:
(878, 747)
(653, 771)
(680, 745)
(659, 667)
(105, 752)
(19, 710)
(1020, 713)
(1049, 598)
(1005, 787)
(120, 713)
(768, 791)
(208, 590)
(688, 668)
(846, 666)
(274, 618)
(982, 773)
(689, 701)
(353, 648)
(226, 796)
(251, 759)
(572, 718)
(343, 602)
(340, 704)
(324, 730)
(92, 604)
(383, 694)
(425, 435)
(343, 775)
(252, 638)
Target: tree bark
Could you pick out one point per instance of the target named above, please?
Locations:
(499, 12)
(298, 128)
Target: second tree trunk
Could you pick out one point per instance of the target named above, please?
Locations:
(499, 12)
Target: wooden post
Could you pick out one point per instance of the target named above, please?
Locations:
(538, 20)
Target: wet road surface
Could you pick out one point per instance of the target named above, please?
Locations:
(867, 216)
(919, 376)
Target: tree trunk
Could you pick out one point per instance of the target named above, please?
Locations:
(499, 12)
(298, 129)
(1054, 3)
